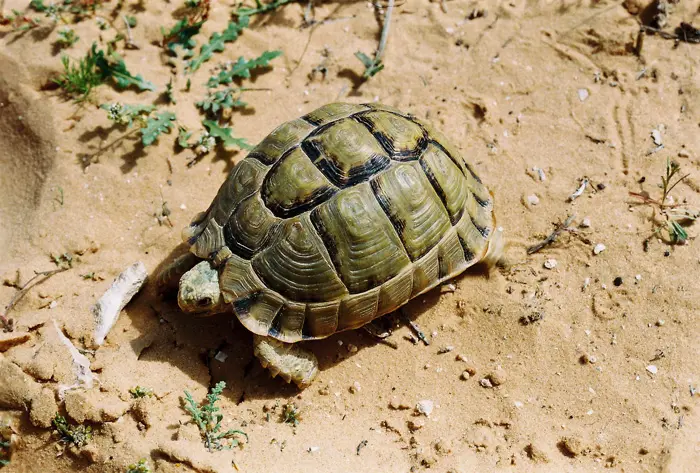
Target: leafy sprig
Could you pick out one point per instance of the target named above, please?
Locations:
(224, 135)
(66, 38)
(208, 419)
(151, 122)
(181, 35)
(228, 98)
(76, 435)
(261, 7)
(161, 122)
(217, 41)
(242, 68)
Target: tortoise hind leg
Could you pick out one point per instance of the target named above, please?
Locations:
(288, 360)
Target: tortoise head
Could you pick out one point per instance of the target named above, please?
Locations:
(199, 291)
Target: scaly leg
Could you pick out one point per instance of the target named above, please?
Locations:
(288, 360)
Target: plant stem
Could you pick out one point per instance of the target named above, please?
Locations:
(385, 32)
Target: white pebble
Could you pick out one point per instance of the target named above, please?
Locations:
(652, 369)
(660, 322)
(550, 263)
(485, 383)
(314, 449)
(355, 388)
(518, 404)
(221, 357)
(533, 199)
(183, 207)
(425, 407)
(586, 283)
(352, 348)
(582, 94)
(656, 136)
(638, 277)
(598, 249)
(586, 222)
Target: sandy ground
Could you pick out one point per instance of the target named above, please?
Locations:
(591, 375)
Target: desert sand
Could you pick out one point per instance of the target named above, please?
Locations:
(563, 360)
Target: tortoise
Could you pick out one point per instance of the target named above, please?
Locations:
(334, 219)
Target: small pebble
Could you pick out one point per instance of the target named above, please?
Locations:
(485, 383)
(446, 288)
(582, 94)
(355, 388)
(416, 424)
(652, 369)
(572, 446)
(314, 449)
(586, 222)
(465, 375)
(324, 391)
(550, 263)
(221, 357)
(598, 249)
(638, 277)
(656, 136)
(518, 404)
(600, 186)
(352, 348)
(425, 407)
(445, 349)
(617, 281)
(660, 322)
(533, 199)
(497, 377)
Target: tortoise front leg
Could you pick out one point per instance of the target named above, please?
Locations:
(288, 360)
(168, 278)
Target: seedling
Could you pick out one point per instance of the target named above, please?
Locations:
(673, 215)
(150, 121)
(290, 414)
(374, 65)
(181, 34)
(66, 38)
(217, 41)
(222, 100)
(79, 79)
(241, 68)
(209, 420)
(225, 135)
(76, 435)
(140, 467)
(64, 260)
(96, 67)
(139, 392)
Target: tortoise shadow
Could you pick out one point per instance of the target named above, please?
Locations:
(225, 347)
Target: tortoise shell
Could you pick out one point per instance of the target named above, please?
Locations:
(339, 217)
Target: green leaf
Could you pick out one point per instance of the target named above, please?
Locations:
(217, 41)
(182, 137)
(261, 8)
(221, 99)
(372, 66)
(224, 134)
(366, 60)
(155, 126)
(115, 68)
(181, 34)
(242, 68)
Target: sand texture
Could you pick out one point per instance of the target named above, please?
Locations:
(565, 360)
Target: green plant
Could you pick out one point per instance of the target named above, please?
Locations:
(225, 135)
(374, 65)
(219, 100)
(208, 420)
(262, 7)
(290, 414)
(66, 38)
(139, 392)
(161, 122)
(242, 68)
(78, 435)
(674, 215)
(150, 121)
(125, 114)
(182, 33)
(64, 260)
(217, 42)
(140, 467)
(79, 79)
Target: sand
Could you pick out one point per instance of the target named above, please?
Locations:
(554, 367)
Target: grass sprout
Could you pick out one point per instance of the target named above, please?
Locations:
(673, 216)
(208, 419)
(76, 435)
